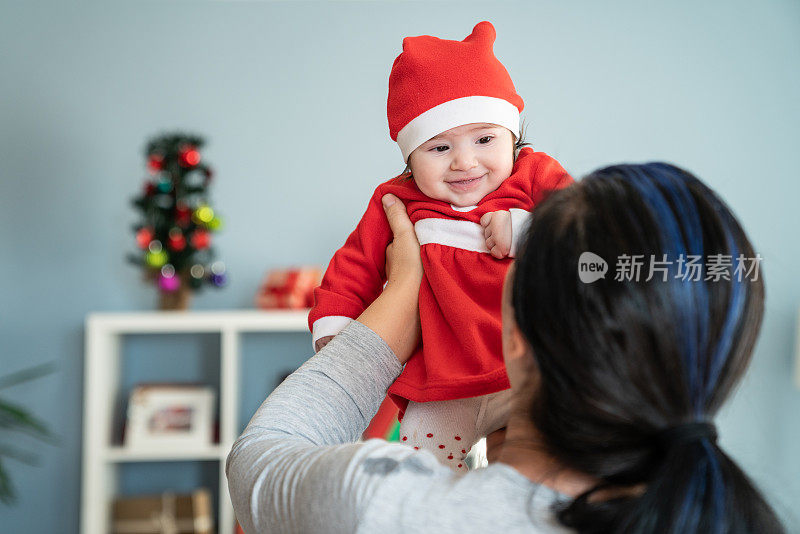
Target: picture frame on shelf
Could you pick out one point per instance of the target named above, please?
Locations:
(170, 415)
(187, 513)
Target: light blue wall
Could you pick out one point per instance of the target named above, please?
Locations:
(292, 99)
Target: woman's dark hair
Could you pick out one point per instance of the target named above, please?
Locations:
(626, 365)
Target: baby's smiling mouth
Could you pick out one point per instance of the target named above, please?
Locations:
(465, 184)
(466, 180)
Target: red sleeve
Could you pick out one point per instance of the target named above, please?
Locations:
(549, 176)
(357, 272)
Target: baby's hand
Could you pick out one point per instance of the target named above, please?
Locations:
(497, 231)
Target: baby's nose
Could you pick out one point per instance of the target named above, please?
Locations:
(463, 159)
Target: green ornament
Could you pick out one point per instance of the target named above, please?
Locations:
(156, 259)
(204, 214)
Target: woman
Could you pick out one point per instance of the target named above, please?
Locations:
(615, 383)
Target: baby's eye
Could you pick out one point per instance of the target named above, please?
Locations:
(440, 148)
(485, 139)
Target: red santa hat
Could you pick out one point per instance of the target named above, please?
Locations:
(437, 84)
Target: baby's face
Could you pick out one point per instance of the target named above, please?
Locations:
(464, 164)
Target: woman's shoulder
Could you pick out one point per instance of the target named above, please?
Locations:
(416, 493)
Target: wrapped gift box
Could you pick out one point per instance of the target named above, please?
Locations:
(167, 513)
(289, 288)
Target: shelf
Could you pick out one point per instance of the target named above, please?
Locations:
(105, 336)
(123, 454)
(201, 321)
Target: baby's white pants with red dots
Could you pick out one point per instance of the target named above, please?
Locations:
(450, 428)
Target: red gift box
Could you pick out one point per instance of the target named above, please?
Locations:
(291, 288)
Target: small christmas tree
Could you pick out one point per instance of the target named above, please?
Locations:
(174, 236)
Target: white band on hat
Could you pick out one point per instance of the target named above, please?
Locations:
(466, 110)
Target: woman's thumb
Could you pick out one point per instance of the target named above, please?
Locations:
(395, 213)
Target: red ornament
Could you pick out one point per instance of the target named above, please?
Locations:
(143, 237)
(189, 156)
(149, 188)
(183, 214)
(155, 163)
(176, 241)
(201, 239)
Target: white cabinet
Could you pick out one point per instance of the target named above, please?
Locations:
(101, 456)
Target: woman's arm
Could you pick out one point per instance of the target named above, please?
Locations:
(394, 315)
(355, 275)
(292, 470)
(297, 452)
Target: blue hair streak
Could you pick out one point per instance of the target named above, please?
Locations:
(664, 188)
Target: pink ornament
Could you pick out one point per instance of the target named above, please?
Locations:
(168, 283)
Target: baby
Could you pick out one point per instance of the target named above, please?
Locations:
(455, 115)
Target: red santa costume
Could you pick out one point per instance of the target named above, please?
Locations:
(460, 356)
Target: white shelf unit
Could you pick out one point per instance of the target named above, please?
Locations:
(101, 457)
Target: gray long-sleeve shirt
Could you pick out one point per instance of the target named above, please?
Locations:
(297, 466)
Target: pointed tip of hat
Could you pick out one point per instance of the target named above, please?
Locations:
(483, 31)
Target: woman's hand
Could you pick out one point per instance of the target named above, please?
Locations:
(394, 315)
(403, 261)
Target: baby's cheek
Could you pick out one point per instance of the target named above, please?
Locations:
(436, 191)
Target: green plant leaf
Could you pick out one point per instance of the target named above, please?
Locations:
(22, 456)
(27, 374)
(7, 494)
(15, 418)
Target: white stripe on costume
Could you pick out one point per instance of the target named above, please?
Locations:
(463, 208)
(519, 225)
(458, 234)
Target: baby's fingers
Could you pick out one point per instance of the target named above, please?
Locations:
(486, 219)
(497, 252)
